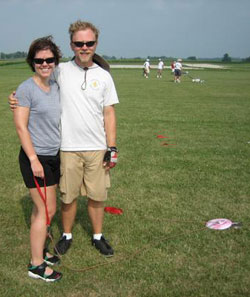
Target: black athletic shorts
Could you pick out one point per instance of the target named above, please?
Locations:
(177, 72)
(51, 167)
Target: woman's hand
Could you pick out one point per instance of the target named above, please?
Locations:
(37, 168)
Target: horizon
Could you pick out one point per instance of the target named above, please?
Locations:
(217, 59)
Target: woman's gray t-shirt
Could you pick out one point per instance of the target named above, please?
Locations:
(44, 117)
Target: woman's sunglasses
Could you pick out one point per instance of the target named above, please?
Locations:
(41, 61)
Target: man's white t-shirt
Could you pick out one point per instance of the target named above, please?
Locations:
(82, 103)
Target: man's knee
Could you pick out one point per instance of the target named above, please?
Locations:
(94, 203)
(68, 206)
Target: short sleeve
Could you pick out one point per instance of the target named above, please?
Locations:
(110, 96)
(23, 95)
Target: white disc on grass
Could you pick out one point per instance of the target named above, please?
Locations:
(219, 224)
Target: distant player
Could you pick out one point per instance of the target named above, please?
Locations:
(177, 71)
(160, 68)
(173, 66)
(146, 68)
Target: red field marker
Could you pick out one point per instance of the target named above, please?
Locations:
(113, 210)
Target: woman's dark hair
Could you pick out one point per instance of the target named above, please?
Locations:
(40, 44)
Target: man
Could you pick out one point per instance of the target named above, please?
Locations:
(88, 131)
(177, 71)
(160, 68)
(146, 68)
(88, 124)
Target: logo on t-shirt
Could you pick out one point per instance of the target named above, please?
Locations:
(95, 84)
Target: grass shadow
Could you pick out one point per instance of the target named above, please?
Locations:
(82, 217)
(27, 206)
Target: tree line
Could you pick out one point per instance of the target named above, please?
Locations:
(226, 58)
(16, 55)
(20, 55)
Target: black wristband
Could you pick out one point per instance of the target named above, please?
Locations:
(113, 149)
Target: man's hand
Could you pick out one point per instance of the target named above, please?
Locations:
(110, 157)
(13, 101)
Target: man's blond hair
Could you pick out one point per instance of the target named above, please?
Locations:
(81, 25)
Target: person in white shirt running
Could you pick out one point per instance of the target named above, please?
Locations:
(160, 68)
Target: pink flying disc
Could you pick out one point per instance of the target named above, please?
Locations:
(219, 224)
(161, 136)
(113, 210)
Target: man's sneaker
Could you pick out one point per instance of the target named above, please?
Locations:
(103, 246)
(62, 245)
(38, 272)
(53, 260)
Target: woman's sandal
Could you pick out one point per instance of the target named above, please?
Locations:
(54, 260)
(38, 272)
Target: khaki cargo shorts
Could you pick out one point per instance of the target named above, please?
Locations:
(82, 173)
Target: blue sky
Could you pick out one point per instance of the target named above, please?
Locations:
(132, 28)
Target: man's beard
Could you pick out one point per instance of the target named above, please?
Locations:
(86, 58)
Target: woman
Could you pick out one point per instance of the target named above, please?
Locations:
(37, 119)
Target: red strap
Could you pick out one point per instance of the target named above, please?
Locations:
(44, 199)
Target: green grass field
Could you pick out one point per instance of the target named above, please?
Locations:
(167, 193)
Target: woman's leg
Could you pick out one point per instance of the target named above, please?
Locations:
(38, 230)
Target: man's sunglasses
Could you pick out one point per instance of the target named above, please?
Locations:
(81, 43)
(41, 61)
